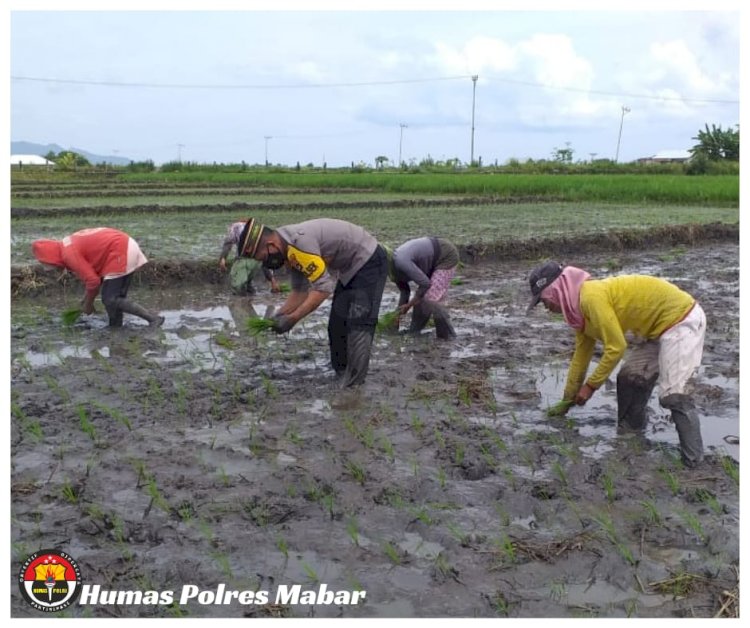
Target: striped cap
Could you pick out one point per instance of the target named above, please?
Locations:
(249, 238)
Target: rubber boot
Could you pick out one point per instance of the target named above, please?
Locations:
(115, 315)
(443, 326)
(358, 341)
(337, 342)
(688, 425)
(154, 320)
(420, 314)
(635, 383)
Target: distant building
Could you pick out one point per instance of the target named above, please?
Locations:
(667, 157)
(19, 161)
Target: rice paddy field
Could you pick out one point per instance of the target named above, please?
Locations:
(212, 452)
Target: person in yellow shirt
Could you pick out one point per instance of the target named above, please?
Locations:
(669, 320)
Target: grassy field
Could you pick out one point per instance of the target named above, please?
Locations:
(605, 202)
(624, 188)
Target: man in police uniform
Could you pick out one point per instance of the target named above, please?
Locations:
(316, 251)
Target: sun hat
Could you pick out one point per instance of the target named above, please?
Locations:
(249, 238)
(541, 277)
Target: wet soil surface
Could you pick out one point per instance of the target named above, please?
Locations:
(199, 454)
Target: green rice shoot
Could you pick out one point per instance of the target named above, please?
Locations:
(71, 315)
(284, 288)
(560, 408)
(388, 321)
(257, 325)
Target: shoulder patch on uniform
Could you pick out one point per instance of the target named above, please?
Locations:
(310, 265)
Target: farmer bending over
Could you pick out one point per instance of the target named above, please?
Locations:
(243, 269)
(315, 251)
(671, 322)
(430, 263)
(101, 258)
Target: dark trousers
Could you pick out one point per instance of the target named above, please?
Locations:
(354, 315)
(112, 291)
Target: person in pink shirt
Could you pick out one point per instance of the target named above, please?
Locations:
(103, 259)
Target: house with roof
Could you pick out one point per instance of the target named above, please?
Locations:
(19, 161)
(667, 157)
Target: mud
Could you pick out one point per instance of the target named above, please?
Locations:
(198, 454)
(107, 210)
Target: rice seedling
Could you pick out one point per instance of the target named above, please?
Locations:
(651, 512)
(731, 469)
(353, 530)
(559, 408)
(223, 340)
(114, 413)
(707, 497)
(694, 524)
(392, 553)
(458, 454)
(284, 288)
(222, 560)
(417, 424)
(609, 487)
(86, 425)
(356, 471)
(30, 426)
(679, 585)
(282, 545)
(506, 550)
(71, 315)
(500, 604)
(441, 478)
(312, 576)
(457, 281)
(605, 522)
(558, 592)
(69, 493)
(670, 479)
(257, 325)
(388, 322)
(387, 446)
(559, 472)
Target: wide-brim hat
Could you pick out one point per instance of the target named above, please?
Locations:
(249, 238)
(541, 277)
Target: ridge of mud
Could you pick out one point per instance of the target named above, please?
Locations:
(28, 280)
(100, 210)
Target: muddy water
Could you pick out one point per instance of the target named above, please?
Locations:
(198, 454)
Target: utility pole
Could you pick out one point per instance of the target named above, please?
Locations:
(400, 142)
(179, 152)
(267, 137)
(473, 105)
(619, 135)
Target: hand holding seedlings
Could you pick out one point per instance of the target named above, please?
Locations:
(560, 408)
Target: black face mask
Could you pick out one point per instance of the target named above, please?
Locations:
(274, 261)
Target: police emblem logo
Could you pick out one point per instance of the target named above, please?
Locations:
(49, 580)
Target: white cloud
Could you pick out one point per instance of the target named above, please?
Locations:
(677, 59)
(555, 62)
(479, 54)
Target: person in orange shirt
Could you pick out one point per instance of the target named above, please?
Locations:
(102, 258)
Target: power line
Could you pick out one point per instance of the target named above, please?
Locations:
(614, 94)
(59, 81)
(225, 86)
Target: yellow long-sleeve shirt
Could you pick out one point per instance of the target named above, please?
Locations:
(646, 306)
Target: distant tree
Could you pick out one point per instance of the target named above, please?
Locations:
(381, 161)
(716, 144)
(70, 160)
(563, 155)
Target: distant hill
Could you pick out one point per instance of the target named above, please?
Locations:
(30, 148)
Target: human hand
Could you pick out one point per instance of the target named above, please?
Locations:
(584, 394)
(283, 323)
(223, 263)
(275, 288)
(403, 309)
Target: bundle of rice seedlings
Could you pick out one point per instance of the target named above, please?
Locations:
(71, 315)
(388, 322)
(559, 408)
(257, 325)
(284, 288)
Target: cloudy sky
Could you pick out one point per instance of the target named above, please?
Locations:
(313, 86)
